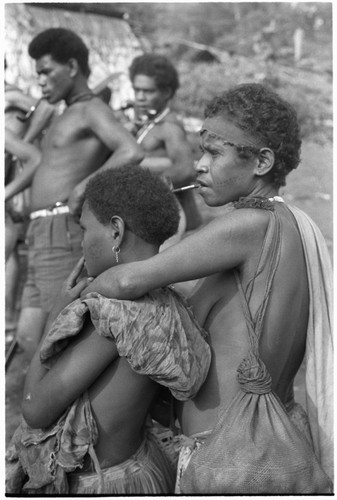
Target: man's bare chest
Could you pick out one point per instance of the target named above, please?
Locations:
(152, 141)
(66, 130)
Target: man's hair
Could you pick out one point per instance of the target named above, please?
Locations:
(268, 118)
(143, 200)
(62, 44)
(159, 68)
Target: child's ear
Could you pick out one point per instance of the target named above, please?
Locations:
(117, 226)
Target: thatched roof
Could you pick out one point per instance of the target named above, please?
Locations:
(105, 9)
(111, 42)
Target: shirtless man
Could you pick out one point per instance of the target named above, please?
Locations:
(250, 141)
(158, 129)
(85, 138)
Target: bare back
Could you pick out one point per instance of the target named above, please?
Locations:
(70, 152)
(120, 400)
(216, 302)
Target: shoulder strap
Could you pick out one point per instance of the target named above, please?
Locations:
(272, 243)
(265, 252)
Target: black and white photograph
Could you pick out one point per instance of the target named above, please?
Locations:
(168, 249)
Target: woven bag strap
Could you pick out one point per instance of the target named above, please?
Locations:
(255, 327)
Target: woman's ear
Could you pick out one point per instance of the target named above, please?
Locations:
(117, 226)
(266, 160)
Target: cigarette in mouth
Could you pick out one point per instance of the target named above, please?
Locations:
(185, 188)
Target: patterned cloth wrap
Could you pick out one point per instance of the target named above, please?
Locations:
(159, 337)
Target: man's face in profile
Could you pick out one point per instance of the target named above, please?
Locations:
(54, 79)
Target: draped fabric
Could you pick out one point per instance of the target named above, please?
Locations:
(319, 343)
(160, 338)
(157, 334)
(45, 456)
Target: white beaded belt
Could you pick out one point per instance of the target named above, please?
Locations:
(47, 212)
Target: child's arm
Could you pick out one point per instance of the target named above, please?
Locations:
(48, 393)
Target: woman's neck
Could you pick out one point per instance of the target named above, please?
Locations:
(137, 252)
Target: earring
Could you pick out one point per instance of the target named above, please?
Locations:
(116, 251)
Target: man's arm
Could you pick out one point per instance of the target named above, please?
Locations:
(15, 98)
(48, 393)
(39, 120)
(40, 117)
(123, 147)
(29, 156)
(157, 164)
(227, 242)
(179, 162)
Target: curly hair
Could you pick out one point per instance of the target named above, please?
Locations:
(62, 44)
(268, 118)
(158, 67)
(144, 201)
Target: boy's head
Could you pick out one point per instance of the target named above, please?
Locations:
(143, 200)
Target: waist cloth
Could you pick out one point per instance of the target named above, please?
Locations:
(147, 471)
(159, 337)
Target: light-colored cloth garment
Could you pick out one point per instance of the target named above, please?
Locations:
(319, 343)
(157, 334)
(187, 445)
(159, 337)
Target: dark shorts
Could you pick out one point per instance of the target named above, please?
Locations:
(54, 247)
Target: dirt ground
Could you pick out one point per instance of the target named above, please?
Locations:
(309, 188)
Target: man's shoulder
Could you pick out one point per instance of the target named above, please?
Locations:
(88, 112)
(170, 126)
(172, 119)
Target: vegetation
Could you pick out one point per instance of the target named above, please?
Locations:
(216, 45)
